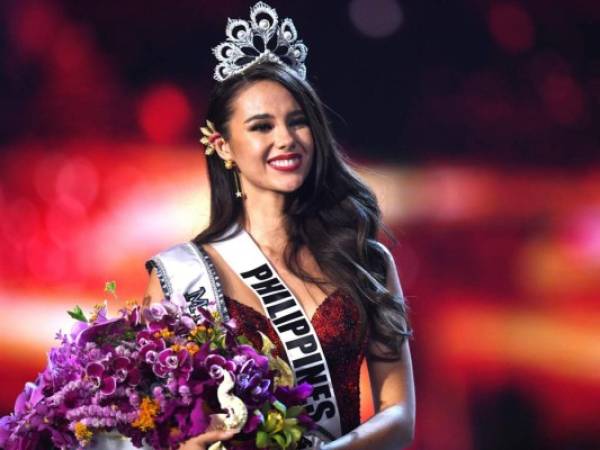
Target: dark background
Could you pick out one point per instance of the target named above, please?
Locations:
(502, 82)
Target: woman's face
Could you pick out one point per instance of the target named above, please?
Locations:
(269, 139)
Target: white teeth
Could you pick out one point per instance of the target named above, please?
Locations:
(284, 162)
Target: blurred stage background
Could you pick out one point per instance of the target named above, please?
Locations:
(475, 121)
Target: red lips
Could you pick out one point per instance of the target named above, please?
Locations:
(285, 156)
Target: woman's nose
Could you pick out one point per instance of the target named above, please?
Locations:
(284, 138)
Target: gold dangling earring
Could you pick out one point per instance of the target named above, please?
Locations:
(236, 179)
(238, 189)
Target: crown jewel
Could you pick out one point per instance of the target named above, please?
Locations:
(260, 39)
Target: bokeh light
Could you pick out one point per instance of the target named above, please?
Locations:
(511, 27)
(563, 98)
(376, 18)
(164, 114)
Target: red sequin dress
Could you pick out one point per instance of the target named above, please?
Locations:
(337, 323)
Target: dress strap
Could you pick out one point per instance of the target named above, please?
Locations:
(188, 278)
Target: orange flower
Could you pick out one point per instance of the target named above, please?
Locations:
(82, 433)
(192, 348)
(149, 409)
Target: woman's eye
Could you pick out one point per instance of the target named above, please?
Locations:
(301, 122)
(261, 127)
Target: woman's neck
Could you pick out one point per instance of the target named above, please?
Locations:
(265, 220)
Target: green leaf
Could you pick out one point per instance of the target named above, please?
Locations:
(294, 411)
(262, 439)
(129, 335)
(267, 345)
(290, 422)
(111, 286)
(221, 341)
(78, 314)
(243, 340)
(296, 433)
(264, 409)
(280, 406)
(288, 438)
(280, 440)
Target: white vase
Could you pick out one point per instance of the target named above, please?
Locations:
(113, 441)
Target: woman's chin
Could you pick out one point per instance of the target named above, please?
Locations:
(290, 185)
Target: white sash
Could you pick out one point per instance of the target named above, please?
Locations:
(188, 278)
(295, 330)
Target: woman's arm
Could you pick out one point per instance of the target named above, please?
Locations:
(393, 395)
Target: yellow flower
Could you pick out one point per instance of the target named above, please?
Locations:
(176, 347)
(130, 304)
(192, 348)
(165, 333)
(148, 411)
(197, 330)
(96, 311)
(274, 422)
(82, 433)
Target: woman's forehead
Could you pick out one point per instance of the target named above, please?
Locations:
(263, 97)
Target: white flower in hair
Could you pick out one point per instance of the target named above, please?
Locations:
(259, 40)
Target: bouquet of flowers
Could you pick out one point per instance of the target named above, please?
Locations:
(157, 377)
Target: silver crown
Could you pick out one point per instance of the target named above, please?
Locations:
(259, 40)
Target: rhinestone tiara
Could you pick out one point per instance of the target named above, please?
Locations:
(261, 39)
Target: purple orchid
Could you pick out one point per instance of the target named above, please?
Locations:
(155, 313)
(294, 395)
(176, 365)
(253, 384)
(101, 331)
(154, 380)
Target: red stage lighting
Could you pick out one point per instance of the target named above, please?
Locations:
(164, 114)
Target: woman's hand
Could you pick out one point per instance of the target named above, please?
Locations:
(205, 440)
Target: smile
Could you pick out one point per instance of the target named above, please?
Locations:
(287, 164)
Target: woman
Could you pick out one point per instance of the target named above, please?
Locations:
(277, 174)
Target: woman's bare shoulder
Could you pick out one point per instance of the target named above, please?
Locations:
(154, 292)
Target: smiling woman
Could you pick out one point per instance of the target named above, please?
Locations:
(291, 248)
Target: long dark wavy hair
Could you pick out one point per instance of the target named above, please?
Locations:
(333, 214)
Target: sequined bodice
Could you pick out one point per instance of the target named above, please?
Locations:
(337, 323)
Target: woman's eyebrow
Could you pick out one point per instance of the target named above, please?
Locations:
(296, 112)
(258, 116)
